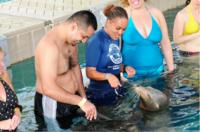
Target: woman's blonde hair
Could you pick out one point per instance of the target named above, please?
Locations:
(125, 2)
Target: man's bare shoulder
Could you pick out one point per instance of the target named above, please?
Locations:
(46, 53)
(46, 44)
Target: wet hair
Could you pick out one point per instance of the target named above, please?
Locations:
(84, 19)
(112, 12)
(125, 2)
(187, 2)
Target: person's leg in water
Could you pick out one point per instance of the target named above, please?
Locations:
(65, 114)
(48, 111)
(38, 111)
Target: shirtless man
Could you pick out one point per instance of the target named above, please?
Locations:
(59, 86)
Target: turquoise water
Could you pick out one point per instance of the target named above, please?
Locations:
(1, 1)
(182, 87)
(182, 115)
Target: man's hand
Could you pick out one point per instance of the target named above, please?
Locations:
(113, 80)
(130, 71)
(90, 110)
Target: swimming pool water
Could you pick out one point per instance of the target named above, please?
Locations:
(182, 115)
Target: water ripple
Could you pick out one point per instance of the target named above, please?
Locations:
(184, 108)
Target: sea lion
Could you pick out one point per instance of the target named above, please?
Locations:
(151, 99)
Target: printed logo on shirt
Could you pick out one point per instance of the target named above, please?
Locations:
(114, 54)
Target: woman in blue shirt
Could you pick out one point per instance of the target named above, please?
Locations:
(103, 59)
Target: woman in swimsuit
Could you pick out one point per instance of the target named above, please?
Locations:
(186, 35)
(10, 111)
(186, 31)
(146, 41)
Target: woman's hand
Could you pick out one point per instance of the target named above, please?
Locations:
(171, 68)
(16, 119)
(113, 80)
(130, 71)
(5, 124)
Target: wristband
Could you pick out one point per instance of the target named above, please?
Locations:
(82, 102)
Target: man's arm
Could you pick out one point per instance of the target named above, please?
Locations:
(77, 73)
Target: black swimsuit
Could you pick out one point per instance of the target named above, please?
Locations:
(7, 108)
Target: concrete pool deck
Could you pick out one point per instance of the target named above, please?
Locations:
(24, 22)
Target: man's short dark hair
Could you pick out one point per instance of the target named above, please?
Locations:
(84, 18)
